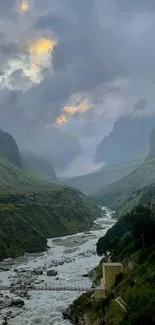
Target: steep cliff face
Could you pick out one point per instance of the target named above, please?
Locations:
(9, 149)
(152, 144)
(129, 140)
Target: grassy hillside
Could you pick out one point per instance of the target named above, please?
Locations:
(29, 217)
(12, 176)
(91, 183)
(118, 193)
(38, 163)
(132, 297)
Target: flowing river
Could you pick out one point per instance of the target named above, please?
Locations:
(71, 257)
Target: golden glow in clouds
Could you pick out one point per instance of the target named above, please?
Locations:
(32, 64)
(61, 119)
(24, 6)
(71, 110)
(40, 51)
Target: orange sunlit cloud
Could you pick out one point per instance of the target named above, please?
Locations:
(81, 107)
(24, 6)
(71, 110)
(61, 119)
(41, 46)
(40, 51)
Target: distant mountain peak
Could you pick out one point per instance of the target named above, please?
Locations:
(129, 140)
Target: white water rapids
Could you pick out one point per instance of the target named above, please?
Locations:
(78, 253)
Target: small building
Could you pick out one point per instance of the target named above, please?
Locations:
(99, 293)
(110, 270)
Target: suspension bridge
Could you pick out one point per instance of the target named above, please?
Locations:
(47, 287)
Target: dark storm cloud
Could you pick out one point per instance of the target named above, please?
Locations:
(98, 42)
(85, 44)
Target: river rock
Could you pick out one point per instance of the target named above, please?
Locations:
(66, 313)
(51, 273)
(37, 272)
(5, 302)
(71, 315)
(85, 275)
(4, 269)
(17, 302)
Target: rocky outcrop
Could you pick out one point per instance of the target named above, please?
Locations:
(152, 145)
(9, 149)
(129, 140)
(72, 316)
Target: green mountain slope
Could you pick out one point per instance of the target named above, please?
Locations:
(122, 195)
(29, 217)
(9, 148)
(12, 176)
(131, 298)
(91, 183)
(39, 163)
(32, 208)
(116, 194)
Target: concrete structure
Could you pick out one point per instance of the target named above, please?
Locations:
(110, 270)
(99, 293)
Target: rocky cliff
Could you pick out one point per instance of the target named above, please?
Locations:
(152, 144)
(9, 149)
(129, 140)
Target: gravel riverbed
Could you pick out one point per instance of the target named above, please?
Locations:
(67, 259)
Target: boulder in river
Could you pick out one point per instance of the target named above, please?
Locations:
(37, 272)
(17, 302)
(4, 322)
(85, 275)
(51, 273)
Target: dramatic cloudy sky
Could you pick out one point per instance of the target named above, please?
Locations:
(74, 64)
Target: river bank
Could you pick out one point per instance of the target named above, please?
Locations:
(71, 257)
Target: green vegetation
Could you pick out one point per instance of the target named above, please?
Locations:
(9, 149)
(13, 177)
(92, 182)
(120, 195)
(14, 172)
(28, 218)
(39, 163)
(32, 208)
(131, 242)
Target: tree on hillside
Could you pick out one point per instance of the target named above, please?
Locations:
(141, 222)
(109, 241)
(140, 310)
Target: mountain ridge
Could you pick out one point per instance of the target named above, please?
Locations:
(116, 194)
(129, 140)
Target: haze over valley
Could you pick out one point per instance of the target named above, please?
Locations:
(77, 162)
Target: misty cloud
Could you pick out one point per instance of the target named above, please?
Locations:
(102, 50)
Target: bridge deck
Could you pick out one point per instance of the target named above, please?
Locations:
(46, 288)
